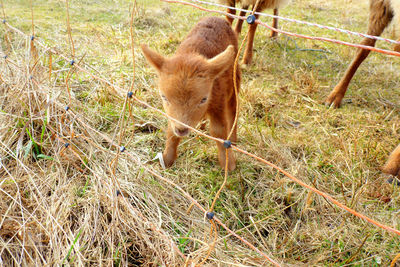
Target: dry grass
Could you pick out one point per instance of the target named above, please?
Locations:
(60, 205)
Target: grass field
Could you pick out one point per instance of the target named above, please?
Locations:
(59, 206)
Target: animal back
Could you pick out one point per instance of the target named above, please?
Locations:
(209, 37)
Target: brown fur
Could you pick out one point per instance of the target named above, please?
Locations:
(197, 82)
(392, 166)
(263, 4)
(381, 14)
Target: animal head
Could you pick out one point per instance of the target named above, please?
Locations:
(185, 84)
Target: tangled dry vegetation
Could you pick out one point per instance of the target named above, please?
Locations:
(65, 200)
(58, 193)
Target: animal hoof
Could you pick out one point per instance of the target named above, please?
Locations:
(168, 161)
(246, 61)
(243, 66)
(273, 35)
(231, 163)
(231, 166)
(333, 101)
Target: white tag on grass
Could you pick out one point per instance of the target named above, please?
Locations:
(160, 158)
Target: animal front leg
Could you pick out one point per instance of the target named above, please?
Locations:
(231, 11)
(219, 129)
(239, 23)
(275, 24)
(337, 94)
(171, 146)
(248, 53)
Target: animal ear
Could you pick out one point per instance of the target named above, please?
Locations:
(221, 62)
(153, 57)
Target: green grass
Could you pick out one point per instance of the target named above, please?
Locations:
(282, 119)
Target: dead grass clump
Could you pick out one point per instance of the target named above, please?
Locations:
(60, 203)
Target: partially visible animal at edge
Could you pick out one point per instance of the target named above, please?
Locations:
(392, 165)
(197, 83)
(381, 13)
(262, 5)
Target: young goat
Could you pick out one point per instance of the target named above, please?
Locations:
(197, 82)
(381, 13)
(262, 5)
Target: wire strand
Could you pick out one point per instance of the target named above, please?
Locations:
(359, 34)
(324, 39)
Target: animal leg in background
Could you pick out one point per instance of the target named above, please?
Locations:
(392, 166)
(380, 17)
(275, 24)
(231, 11)
(239, 23)
(248, 53)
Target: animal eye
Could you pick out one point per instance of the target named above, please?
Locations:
(203, 100)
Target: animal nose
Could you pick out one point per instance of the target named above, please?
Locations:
(182, 131)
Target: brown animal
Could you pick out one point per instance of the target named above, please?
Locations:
(392, 166)
(381, 13)
(197, 82)
(262, 5)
